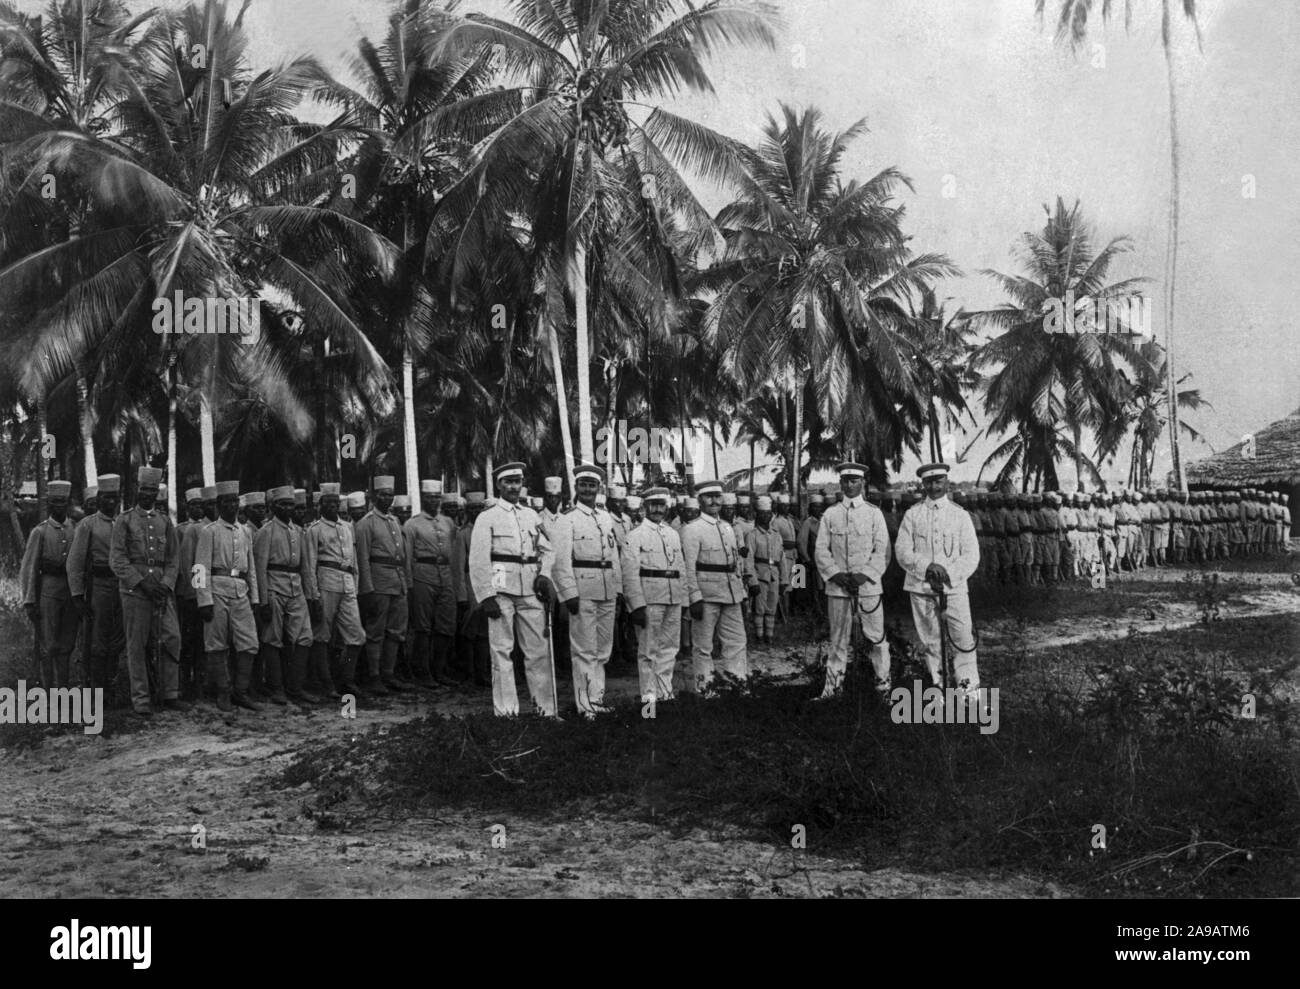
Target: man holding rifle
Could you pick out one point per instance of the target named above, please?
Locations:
(938, 550)
(852, 553)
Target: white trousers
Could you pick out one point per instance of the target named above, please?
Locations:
(591, 637)
(726, 618)
(525, 618)
(961, 638)
(871, 619)
(656, 650)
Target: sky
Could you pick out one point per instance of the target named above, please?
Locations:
(990, 119)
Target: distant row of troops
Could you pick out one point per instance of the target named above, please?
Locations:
(270, 596)
(1053, 537)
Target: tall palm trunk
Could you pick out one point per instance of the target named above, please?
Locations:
(796, 478)
(561, 397)
(1171, 264)
(584, 352)
(611, 422)
(86, 420)
(42, 465)
(171, 435)
(1078, 457)
(408, 389)
(207, 444)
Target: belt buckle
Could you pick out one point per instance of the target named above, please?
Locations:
(235, 573)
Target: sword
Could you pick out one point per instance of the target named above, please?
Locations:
(945, 659)
(550, 655)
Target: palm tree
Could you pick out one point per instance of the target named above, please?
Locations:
(594, 182)
(418, 110)
(194, 193)
(811, 287)
(1072, 28)
(1045, 379)
(940, 354)
(1143, 412)
(65, 72)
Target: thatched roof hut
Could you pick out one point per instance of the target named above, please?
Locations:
(1275, 465)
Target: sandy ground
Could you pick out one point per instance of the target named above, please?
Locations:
(95, 816)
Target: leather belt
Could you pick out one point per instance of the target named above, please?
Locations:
(788, 544)
(53, 568)
(512, 558)
(282, 568)
(715, 567)
(437, 561)
(227, 572)
(666, 574)
(332, 565)
(101, 570)
(770, 563)
(387, 561)
(594, 564)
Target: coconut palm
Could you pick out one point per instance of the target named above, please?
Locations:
(1072, 28)
(186, 196)
(583, 161)
(940, 356)
(65, 71)
(813, 284)
(1047, 380)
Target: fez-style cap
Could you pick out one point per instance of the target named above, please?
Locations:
(743, 497)
(817, 498)
(708, 487)
(110, 483)
(475, 498)
(223, 488)
(356, 499)
(257, 497)
(536, 502)
(193, 494)
(384, 482)
(506, 471)
(689, 502)
(617, 491)
(728, 497)
(433, 487)
(283, 492)
(59, 489)
(634, 502)
(300, 496)
(208, 492)
(764, 503)
(553, 485)
(926, 471)
(401, 501)
(149, 476)
(329, 488)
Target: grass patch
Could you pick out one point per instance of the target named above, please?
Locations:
(1194, 799)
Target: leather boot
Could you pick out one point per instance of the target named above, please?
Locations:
(297, 675)
(348, 670)
(243, 679)
(420, 659)
(439, 666)
(320, 667)
(257, 677)
(218, 677)
(274, 669)
(388, 668)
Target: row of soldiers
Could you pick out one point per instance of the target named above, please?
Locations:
(1053, 537)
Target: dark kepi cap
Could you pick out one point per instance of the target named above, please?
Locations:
(926, 471)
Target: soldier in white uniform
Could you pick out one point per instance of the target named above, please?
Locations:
(852, 554)
(226, 592)
(715, 586)
(510, 562)
(936, 543)
(656, 594)
(588, 580)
